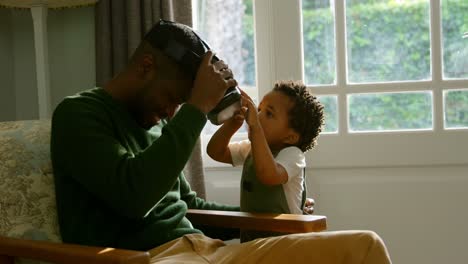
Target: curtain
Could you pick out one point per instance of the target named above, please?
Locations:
(120, 26)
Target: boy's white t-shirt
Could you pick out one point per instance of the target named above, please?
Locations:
(293, 161)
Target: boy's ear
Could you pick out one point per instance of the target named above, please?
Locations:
(292, 137)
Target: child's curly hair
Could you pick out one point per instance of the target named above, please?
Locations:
(306, 115)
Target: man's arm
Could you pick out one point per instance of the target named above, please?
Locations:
(194, 202)
(83, 146)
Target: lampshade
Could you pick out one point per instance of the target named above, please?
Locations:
(48, 3)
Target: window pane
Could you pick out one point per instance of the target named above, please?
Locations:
(227, 26)
(388, 40)
(331, 113)
(319, 42)
(390, 111)
(454, 25)
(456, 109)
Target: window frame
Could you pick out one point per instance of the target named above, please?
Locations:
(279, 55)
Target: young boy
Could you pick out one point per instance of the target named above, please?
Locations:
(286, 124)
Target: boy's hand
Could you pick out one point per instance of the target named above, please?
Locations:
(236, 120)
(249, 110)
(309, 206)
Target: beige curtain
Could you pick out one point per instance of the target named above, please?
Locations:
(120, 26)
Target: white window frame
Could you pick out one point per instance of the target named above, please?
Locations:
(278, 43)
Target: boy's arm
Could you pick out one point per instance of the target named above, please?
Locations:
(217, 148)
(268, 171)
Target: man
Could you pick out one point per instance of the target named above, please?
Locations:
(118, 161)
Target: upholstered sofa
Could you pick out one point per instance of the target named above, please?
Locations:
(28, 218)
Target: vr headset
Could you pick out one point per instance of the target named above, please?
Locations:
(160, 37)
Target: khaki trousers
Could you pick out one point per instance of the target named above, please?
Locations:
(319, 248)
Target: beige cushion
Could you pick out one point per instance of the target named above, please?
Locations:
(27, 195)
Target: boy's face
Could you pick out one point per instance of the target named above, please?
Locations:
(273, 116)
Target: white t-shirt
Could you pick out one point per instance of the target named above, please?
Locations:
(293, 161)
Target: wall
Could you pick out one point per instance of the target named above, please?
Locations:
(71, 37)
(419, 211)
(71, 58)
(24, 66)
(7, 91)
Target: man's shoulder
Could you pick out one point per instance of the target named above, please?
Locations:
(82, 101)
(83, 97)
(81, 107)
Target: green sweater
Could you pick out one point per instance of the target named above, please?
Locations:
(118, 185)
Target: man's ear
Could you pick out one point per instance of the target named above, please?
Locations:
(146, 64)
(292, 137)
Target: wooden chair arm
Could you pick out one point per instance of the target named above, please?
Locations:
(67, 253)
(284, 223)
(11, 248)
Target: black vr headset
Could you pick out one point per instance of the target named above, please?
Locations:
(160, 37)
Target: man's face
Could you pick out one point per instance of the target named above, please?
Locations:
(161, 95)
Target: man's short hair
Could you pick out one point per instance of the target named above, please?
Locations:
(178, 42)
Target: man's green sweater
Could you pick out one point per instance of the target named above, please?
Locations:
(117, 184)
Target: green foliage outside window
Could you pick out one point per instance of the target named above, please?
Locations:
(454, 25)
(456, 109)
(390, 111)
(408, 59)
(370, 24)
(330, 105)
(388, 42)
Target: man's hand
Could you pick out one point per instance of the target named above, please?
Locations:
(309, 206)
(211, 82)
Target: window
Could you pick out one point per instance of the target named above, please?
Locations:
(330, 104)
(390, 111)
(456, 109)
(455, 43)
(227, 26)
(392, 74)
(390, 65)
(386, 41)
(319, 42)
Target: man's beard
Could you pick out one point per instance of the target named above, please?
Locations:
(138, 114)
(139, 111)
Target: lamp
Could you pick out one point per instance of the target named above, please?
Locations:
(39, 15)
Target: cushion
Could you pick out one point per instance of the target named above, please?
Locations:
(27, 195)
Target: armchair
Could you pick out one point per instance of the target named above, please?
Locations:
(28, 223)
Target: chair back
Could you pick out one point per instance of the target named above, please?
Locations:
(27, 195)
